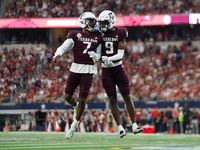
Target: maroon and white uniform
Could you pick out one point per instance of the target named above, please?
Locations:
(83, 68)
(84, 43)
(115, 75)
(70, 117)
(95, 122)
(49, 120)
(102, 121)
(54, 115)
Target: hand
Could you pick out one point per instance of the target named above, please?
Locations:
(92, 54)
(109, 64)
(56, 56)
(105, 59)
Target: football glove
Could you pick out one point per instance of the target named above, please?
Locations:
(105, 59)
(109, 64)
(93, 55)
(56, 56)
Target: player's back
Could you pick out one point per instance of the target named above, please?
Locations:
(84, 43)
(111, 40)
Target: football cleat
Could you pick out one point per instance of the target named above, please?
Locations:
(70, 132)
(75, 109)
(138, 130)
(122, 133)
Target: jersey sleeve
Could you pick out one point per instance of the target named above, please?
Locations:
(71, 35)
(123, 34)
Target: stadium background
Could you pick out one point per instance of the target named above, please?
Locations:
(170, 49)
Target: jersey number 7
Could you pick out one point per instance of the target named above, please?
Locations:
(88, 46)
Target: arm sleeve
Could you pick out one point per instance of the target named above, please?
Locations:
(117, 56)
(98, 52)
(120, 53)
(65, 47)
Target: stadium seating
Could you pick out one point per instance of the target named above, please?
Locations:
(157, 73)
(63, 8)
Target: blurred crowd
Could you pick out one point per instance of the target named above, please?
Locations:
(175, 120)
(73, 8)
(20, 70)
(157, 73)
(15, 68)
(24, 38)
(164, 73)
(90, 122)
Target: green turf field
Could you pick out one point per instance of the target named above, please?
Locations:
(97, 141)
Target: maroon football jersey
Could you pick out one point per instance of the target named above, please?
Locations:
(111, 40)
(84, 43)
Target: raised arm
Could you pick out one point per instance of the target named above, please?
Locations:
(65, 47)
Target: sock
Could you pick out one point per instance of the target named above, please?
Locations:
(75, 123)
(120, 128)
(134, 126)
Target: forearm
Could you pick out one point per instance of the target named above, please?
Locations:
(65, 47)
(95, 56)
(98, 54)
(117, 56)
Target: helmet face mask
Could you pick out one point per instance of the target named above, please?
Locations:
(106, 20)
(91, 20)
(87, 21)
(103, 25)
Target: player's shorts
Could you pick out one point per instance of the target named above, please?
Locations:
(83, 80)
(115, 76)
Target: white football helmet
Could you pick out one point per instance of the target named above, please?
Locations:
(85, 18)
(107, 20)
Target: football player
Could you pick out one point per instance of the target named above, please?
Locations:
(113, 72)
(86, 46)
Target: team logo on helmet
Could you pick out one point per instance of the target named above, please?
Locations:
(107, 20)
